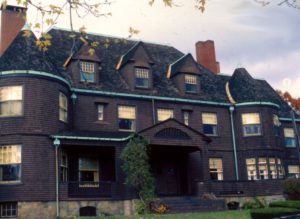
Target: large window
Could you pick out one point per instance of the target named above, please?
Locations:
(127, 118)
(190, 83)
(164, 114)
(210, 123)
(87, 71)
(63, 167)
(216, 168)
(251, 124)
(8, 209)
(263, 168)
(10, 163)
(142, 77)
(276, 124)
(63, 107)
(294, 171)
(251, 168)
(289, 137)
(88, 171)
(11, 101)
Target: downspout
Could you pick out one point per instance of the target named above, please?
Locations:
(56, 144)
(153, 111)
(296, 134)
(231, 109)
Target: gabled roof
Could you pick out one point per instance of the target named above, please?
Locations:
(177, 66)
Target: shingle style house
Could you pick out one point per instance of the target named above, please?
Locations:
(66, 115)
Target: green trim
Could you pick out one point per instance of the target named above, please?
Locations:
(89, 138)
(231, 109)
(288, 120)
(38, 73)
(258, 103)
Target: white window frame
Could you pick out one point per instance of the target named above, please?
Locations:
(63, 107)
(215, 169)
(14, 95)
(164, 114)
(251, 124)
(7, 158)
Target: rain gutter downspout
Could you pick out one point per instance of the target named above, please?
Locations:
(153, 111)
(231, 109)
(296, 134)
(56, 144)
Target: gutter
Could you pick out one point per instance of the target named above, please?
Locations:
(231, 109)
(62, 137)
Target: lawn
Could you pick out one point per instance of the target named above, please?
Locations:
(242, 214)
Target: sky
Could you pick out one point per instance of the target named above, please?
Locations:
(264, 40)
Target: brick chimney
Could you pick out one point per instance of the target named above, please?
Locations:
(206, 55)
(12, 21)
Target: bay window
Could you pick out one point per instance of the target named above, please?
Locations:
(251, 124)
(127, 117)
(10, 163)
(210, 122)
(11, 101)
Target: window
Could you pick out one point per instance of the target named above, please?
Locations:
(289, 137)
(63, 107)
(277, 125)
(10, 163)
(164, 114)
(88, 172)
(216, 168)
(280, 169)
(190, 83)
(87, 71)
(273, 169)
(294, 171)
(63, 167)
(127, 117)
(263, 168)
(251, 124)
(100, 108)
(8, 209)
(142, 77)
(251, 168)
(210, 123)
(186, 117)
(11, 101)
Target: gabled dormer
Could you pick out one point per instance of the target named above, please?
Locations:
(83, 63)
(185, 74)
(136, 67)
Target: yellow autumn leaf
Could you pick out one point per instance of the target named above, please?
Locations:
(27, 34)
(91, 51)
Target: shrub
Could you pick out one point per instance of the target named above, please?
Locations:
(291, 187)
(254, 203)
(233, 205)
(269, 213)
(286, 204)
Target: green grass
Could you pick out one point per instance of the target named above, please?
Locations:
(242, 214)
(286, 204)
(269, 213)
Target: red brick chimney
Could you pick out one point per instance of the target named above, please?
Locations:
(206, 55)
(12, 21)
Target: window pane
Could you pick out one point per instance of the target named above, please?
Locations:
(88, 170)
(88, 164)
(100, 112)
(87, 67)
(11, 93)
(276, 121)
(252, 130)
(10, 154)
(126, 112)
(209, 118)
(63, 107)
(190, 79)
(250, 118)
(210, 129)
(289, 132)
(294, 171)
(10, 172)
(186, 116)
(127, 124)
(11, 101)
(142, 77)
(216, 168)
(251, 168)
(164, 114)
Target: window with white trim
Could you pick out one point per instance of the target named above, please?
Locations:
(251, 168)
(186, 117)
(11, 101)
(8, 209)
(289, 137)
(10, 163)
(164, 114)
(276, 124)
(63, 167)
(210, 123)
(63, 107)
(216, 168)
(263, 168)
(251, 124)
(100, 112)
(127, 117)
(142, 77)
(88, 172)
(294, 171)
(87, 71)
(190, 83)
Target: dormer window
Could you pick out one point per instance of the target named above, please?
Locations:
(87, 71)
(190, 83)
(142, 78)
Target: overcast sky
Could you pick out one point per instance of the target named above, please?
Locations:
(264, 40)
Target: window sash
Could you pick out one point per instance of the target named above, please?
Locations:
(87, 67)
(100, 109)
(10, 154)
(164, 114)
(11, 93)
(289, 133)
(11, 101)
(190, 79)
(216, 168)
(142, 73)
(126, 112)
(186, 116)
(250, 118)
(209, 118)
(293, 169)
(276, 121)
(63, 107)
(8, 209)
(88, 170)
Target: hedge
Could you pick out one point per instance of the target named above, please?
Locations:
(270, 213)
(286, 204)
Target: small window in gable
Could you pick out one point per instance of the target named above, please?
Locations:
(190, 83)
(87, 71)
(142, 77)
